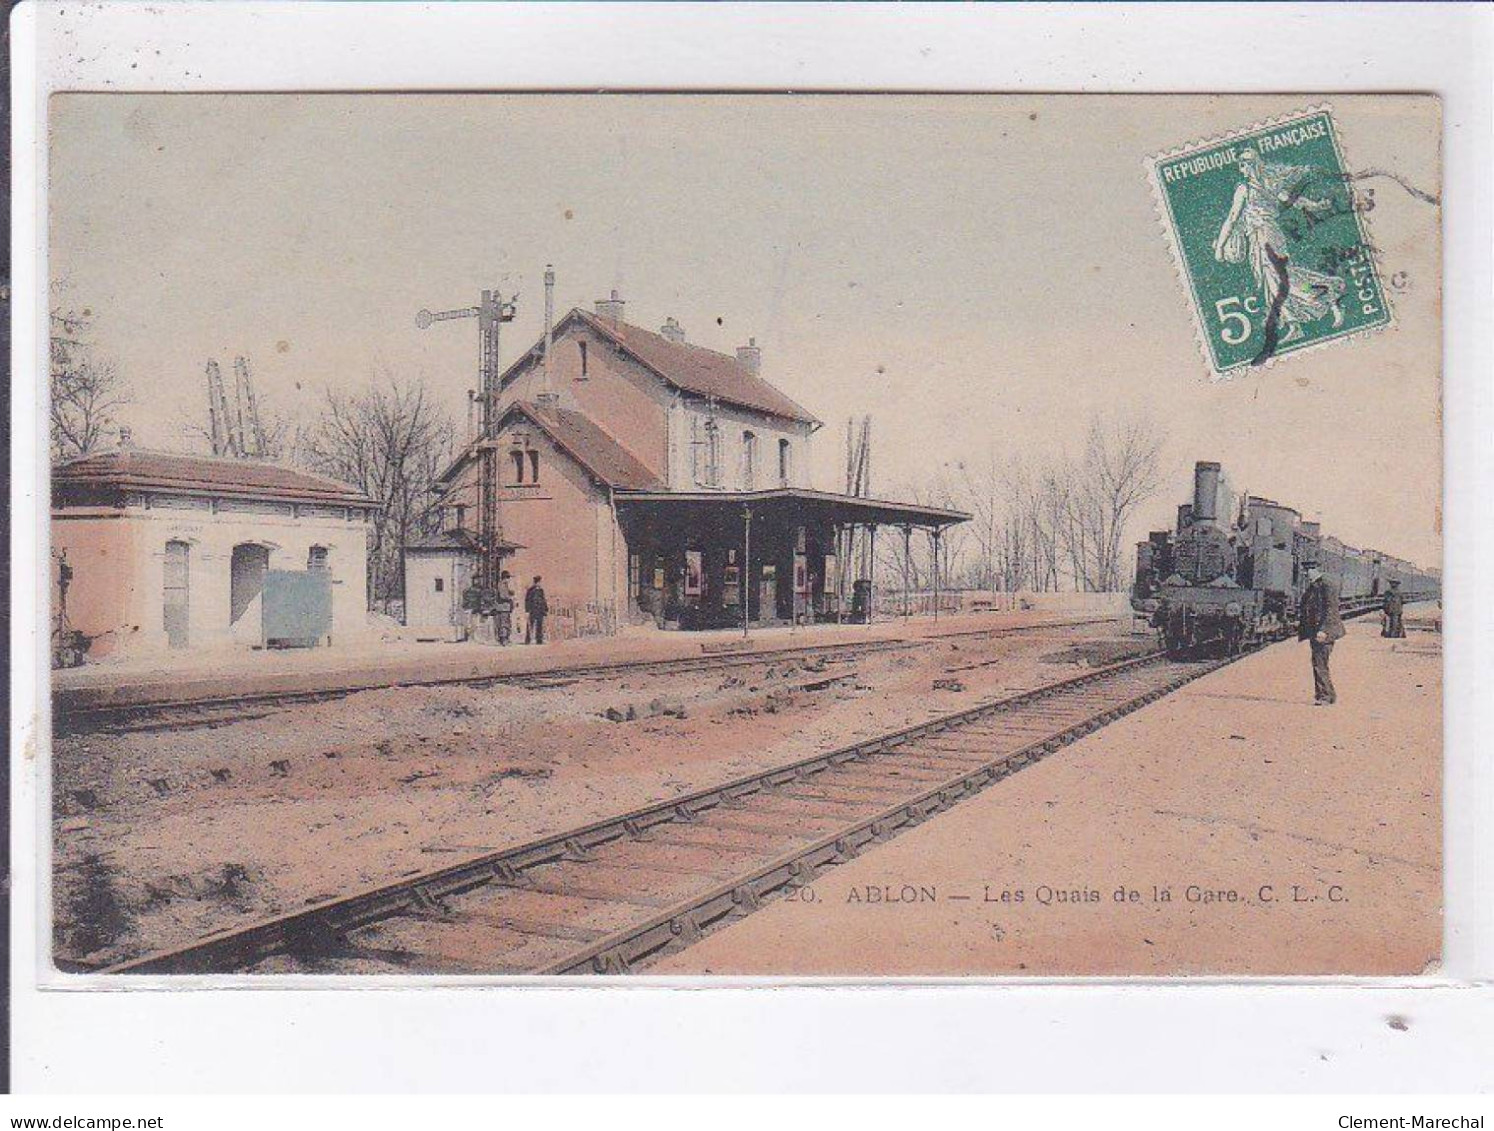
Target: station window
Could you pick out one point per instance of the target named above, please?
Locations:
(713, 453)
(440, 585)
(518, 457)
(582, 344)
(534, 465)
(785, 462)
(316, 558)
(749, 461)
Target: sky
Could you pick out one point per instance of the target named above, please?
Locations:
(982, 274)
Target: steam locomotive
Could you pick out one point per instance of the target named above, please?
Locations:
(1234, 570)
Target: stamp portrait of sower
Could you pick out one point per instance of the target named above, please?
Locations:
(1252, 233)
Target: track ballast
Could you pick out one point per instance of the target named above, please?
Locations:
(612, 896)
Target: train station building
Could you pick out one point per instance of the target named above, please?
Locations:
(650, 480)
(155, 552)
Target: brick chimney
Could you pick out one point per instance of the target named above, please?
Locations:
(611, 309)
(672, 330)
(750, 356)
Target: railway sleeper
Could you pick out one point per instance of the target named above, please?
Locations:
(899, 772)
(824, 799)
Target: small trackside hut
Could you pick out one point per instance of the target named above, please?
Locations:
(652, 481)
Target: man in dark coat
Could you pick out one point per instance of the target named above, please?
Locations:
(1394, 609)
(1319, 623)
(535, 608)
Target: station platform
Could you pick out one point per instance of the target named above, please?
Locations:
(140, 680)
(1289, 840)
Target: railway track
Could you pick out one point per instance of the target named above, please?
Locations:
(614, 895)
(73, 716)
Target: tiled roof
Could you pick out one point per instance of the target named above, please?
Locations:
(694, 369)
(134, 469)
(591, 447)
(579, 436)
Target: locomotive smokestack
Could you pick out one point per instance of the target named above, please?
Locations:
(1205, 491)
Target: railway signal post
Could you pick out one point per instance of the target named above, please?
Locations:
(491, 312)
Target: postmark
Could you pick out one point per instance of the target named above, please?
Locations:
(1270, 239)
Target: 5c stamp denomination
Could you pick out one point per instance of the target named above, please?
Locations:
(1270, 240)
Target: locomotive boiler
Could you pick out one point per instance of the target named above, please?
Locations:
(1233, 571)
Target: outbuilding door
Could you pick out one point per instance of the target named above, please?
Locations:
(176, 594)
(247, 568)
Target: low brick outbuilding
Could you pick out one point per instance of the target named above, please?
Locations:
(164, 552)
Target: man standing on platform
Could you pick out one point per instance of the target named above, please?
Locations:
(503, 607)
(1320, 624)
(1394, 608)
(535, 608)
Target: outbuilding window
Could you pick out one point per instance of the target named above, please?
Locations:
(317, 558)
(785, 462)
(440, 585)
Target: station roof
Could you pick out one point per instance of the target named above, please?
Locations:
(137, 469)
(694, 369)
(823, 506)
(578, 436)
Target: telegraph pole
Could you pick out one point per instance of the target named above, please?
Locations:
(491, 312)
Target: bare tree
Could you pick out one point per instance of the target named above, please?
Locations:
(1120, 470)
(982, 494)
(1052, 521)
(391, 440)
(86, 390)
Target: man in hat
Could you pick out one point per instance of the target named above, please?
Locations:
(1394, 608)
(535, 608)
(1319, 623)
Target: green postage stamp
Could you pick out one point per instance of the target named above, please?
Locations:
(1270, 239)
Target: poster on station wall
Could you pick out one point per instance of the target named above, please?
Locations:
(694, 573)
(1001, 340)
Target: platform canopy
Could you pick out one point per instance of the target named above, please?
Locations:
(791, 505)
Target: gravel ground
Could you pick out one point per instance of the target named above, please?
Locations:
(162, 837)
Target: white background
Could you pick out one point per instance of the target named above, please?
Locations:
(1143, 1037)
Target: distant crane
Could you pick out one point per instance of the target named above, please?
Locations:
(235, 430)
(248, 407)
(219, 431)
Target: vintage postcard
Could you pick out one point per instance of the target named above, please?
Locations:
(786, 535)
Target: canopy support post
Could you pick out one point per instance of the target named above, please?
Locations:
(907, 560)
(937, 531)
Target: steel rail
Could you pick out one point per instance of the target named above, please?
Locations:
(688, 921)
(312, 929)
(70, 718)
